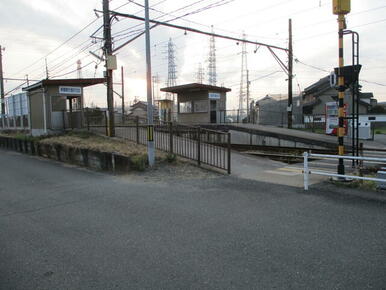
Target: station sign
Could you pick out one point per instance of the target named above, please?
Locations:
(214, 96)
(65, 90)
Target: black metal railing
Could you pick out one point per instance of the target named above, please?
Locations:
(209, 147)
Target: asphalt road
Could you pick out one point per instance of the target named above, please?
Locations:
(68, 228)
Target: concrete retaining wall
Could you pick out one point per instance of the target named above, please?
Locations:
(102, 161)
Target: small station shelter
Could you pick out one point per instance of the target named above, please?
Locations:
(165, 110)
(199, 103)
(57, 104)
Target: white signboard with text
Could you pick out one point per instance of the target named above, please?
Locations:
(65, 90)
(214, 96)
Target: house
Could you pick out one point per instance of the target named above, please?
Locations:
(139, 110)
(199, 103)
(272, 110)
(318, 94)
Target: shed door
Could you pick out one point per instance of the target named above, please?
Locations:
(213, 111)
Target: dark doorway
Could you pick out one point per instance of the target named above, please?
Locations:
(213, 111)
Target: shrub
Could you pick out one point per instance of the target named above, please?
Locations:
(171, 158)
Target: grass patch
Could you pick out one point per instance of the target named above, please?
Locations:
(358, 184)
(139, 162)
(22, 136)
(87, 140)
(379, 131)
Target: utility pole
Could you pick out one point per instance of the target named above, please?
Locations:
(123, 94)
(79, 68)
(248, 85)
(47, 75)
(244, 69)
(109, 70)
(150, 128)
(2, 82)
(290, 74)
(341, 8)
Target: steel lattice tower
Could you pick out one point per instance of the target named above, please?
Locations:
(243, 81)
(212, 72)
(172, 73)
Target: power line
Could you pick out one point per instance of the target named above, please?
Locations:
(59, 46)
(330, 32)
(216, 4)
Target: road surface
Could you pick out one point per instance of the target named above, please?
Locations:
(62, 227)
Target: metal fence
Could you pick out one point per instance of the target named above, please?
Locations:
(14, 122)
(205, 146)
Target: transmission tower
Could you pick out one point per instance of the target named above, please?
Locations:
(244, 79)
(212, 73)
(200, 74)
(79, 68)
(172, 73)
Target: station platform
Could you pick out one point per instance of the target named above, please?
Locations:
(294, 136)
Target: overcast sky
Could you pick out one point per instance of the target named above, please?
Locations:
(31, 30)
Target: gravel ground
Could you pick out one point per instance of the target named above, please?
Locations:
(171, 172)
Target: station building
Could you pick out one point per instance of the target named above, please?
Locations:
(56, 104)
(199, 103)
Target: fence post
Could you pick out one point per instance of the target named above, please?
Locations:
(171, 137)
(361, 154)
(199, 146)
(305, 170)
(106, 124)
(229, 153)
(87, 120)
(137, 128)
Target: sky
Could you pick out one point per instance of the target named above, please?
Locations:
(32, 31)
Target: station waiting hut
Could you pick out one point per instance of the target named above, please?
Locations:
(199, 103)
(57, 104)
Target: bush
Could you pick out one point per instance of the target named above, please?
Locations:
(171, 158)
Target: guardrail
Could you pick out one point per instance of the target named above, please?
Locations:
(307, 171)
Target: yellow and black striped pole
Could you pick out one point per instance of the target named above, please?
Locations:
(341, 8)
(341, 90)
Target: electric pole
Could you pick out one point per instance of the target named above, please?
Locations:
(123, 94)
(243, 85)
(109, 70)
(150, 128)
(248, 86)
(2, 82)
(47, 75)
(290, 74)
(79, 68)
(341, 8)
